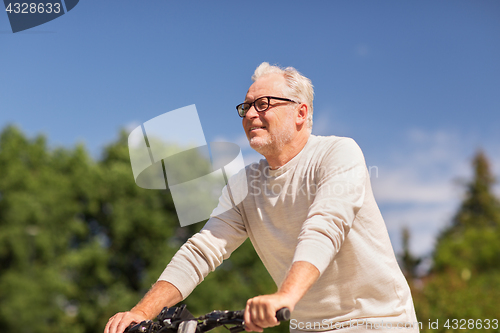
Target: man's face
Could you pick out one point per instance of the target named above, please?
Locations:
(269, 131)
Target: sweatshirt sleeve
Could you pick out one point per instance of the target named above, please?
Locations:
(340, 191)
(206, 250)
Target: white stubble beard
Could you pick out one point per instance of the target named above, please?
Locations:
(273, 143)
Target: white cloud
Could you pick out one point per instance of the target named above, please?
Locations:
(417, 183)
(422, 169)
(425, 221)
(403, 186)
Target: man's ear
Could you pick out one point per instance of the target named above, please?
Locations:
(302, 114)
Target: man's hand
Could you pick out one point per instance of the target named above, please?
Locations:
(162, 294)
(260, 311)
(120, 321)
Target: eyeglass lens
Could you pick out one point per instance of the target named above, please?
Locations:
(261, 104)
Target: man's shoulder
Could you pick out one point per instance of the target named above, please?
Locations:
(331, 142)
(333, 151)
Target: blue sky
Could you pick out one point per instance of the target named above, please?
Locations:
(415, 83)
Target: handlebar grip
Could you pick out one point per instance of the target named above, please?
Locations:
(283, 314)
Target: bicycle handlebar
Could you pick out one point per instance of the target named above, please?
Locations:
(180, 320)
(283, 314)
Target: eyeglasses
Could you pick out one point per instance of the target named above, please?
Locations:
(261, 104)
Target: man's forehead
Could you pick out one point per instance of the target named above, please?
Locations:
(271, 84)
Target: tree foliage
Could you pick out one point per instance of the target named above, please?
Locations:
(464, 282)
(80, 241)
(471, 242)
(408, 262)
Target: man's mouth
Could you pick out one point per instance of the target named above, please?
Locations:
(253, 128)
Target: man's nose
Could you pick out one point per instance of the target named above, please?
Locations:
(252, 112)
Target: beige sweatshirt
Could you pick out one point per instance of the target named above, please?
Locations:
(319, 208)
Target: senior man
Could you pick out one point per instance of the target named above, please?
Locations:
(312, 218)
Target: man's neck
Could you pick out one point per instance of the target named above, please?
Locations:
(289, 151)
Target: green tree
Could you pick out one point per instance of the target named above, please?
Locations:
(127, 241)
(80, 241)
(408, 261)
(470, 243)
(37, 221)
(480, 207)
(465, 280)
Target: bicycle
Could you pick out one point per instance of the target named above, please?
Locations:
(180, 320)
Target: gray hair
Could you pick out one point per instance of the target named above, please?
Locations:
(298, 87)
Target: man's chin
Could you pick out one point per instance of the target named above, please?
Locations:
(259, 145)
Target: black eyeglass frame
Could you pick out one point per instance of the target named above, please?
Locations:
(239, 106)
